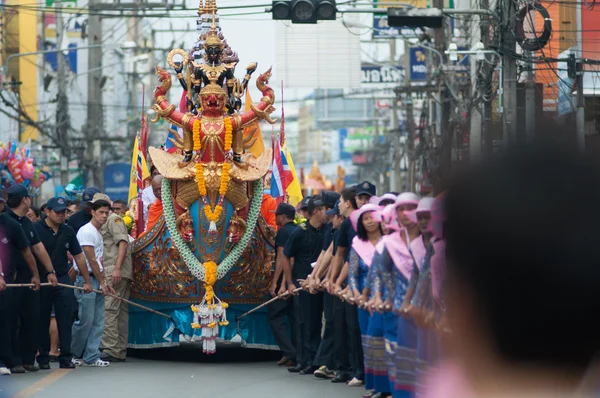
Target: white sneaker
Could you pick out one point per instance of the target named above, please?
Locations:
(355, 382)
(98, 364)
(77, 361)
(4, 371)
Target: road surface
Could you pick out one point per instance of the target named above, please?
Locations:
(182, 372)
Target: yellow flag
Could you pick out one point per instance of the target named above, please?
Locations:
(133, 175)
(294, 190)
(258, 147)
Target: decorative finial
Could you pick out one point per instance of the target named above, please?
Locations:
(201, 8)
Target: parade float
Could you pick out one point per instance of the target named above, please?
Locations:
(209, 257)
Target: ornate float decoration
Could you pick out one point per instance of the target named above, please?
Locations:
(212, 190)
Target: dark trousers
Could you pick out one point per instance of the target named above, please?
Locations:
(63, 300)
(19, 341)
(324, 355)
(283, 321)
(341, 354)
(309, 310)
(354, 341)
(348, 343)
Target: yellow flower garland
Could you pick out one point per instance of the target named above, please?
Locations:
(215, 215)
(210, 278)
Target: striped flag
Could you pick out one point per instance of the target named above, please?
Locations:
(277, 187)
(140, 187)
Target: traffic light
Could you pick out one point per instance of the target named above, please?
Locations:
(415, 17)
(304, 11)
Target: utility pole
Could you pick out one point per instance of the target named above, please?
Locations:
(580, 117)
(488, 141)
(62, 105)
(396, 174)
(410, 120)
(443, 115)
(94, 129)
(475, 134)
(510, 78)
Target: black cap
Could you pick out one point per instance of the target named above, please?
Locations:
(336, 209)
(366, 188)
(88, 194)
(286, 209)
(304, 204)
(57, 204)
(330, 198)
(315, 202)
(17, 191)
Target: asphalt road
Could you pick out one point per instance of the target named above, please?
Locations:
(181, 372)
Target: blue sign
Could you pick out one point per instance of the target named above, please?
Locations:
(71, 58)
(418, 66)
(116, 180)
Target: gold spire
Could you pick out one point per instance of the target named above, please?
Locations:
(201, 8)
(212, 38)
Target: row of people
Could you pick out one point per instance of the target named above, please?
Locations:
(357, 271)
(90, 252)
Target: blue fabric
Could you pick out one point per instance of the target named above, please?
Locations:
(87, 330)
(376, 376)
(149, 330)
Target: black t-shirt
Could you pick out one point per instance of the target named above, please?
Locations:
(345, 237)
(57, 245)
(79, 219)
(23, 272)
(327, 236)
(12, 241)
(304, 246)
(335, 238)
(284, 234)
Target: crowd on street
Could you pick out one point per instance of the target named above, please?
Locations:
(398, 294)
(69, 264)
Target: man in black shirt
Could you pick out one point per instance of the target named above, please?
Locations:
(14, 247)
(58, 239)
(278, 310)
(84, 215)
(26, 303)
(304, 247)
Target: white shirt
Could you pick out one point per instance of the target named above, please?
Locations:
(147, 199)
(88, 235)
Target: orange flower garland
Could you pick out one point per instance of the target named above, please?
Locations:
(210, 277)
(211, 215)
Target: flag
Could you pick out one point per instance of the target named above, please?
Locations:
(277, 188)
(258, 147)
(294, 190)
(133, 178)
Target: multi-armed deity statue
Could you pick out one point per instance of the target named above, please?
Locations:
(211, 196)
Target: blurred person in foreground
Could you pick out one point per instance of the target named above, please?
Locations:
(523, 275)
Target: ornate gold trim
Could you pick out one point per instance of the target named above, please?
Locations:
(174, 52)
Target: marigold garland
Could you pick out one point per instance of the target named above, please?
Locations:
(210, 278)
(196, 132)
(214, 215)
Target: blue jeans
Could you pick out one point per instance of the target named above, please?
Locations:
(87, 331)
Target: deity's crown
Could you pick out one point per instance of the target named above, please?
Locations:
(212, 38)
(212, 88)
